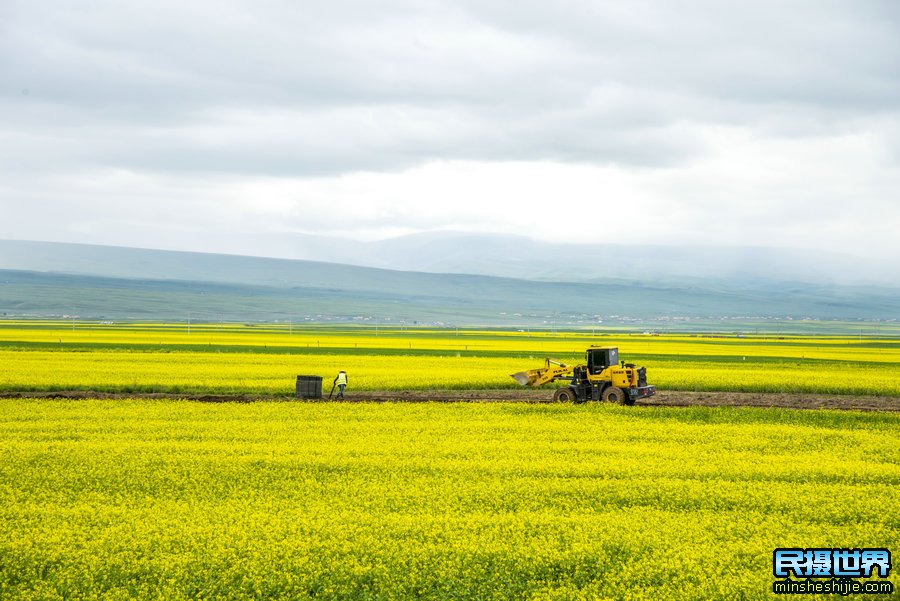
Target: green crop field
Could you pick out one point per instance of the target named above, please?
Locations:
(176, 500)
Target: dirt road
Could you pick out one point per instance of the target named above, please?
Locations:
(666, 398)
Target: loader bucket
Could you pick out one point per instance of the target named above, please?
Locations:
(522, 378)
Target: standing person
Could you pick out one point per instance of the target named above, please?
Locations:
(341, 381)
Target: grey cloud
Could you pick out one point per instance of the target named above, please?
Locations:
(364, 86)
(201, 95)
(766, 51)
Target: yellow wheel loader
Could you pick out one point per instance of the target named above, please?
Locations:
(602, 378)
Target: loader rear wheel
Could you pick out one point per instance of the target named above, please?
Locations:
(564, 395)
(616, 395)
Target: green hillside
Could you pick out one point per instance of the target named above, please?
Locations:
(97, 282)
(473, 301)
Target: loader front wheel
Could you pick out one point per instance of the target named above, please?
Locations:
(616, 395)
(563, 395)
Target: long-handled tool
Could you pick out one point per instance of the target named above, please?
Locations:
(332, 390)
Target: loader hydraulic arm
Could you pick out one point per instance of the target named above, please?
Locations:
(552, 370)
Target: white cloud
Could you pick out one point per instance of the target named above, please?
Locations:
(702, 122)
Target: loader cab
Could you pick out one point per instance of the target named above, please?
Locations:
(601, 357)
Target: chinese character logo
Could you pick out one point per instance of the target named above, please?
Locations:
(831, 563)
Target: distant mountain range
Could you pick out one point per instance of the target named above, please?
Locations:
(570, 260)
(53, 279)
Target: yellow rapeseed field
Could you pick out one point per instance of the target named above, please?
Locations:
(146, 499)
(141, 499)
(266, 359)
(261, 338)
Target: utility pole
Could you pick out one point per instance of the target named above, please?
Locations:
(189, 322)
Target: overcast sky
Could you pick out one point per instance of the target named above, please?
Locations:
(188, 125)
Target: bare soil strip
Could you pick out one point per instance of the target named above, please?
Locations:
(665, 398)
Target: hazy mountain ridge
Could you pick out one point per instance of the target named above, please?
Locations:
(568, 260)
(115, 282)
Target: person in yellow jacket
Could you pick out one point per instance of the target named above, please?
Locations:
(341, 381)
